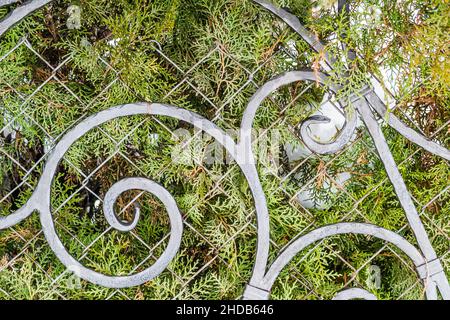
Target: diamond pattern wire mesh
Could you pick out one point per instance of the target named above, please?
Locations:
(116, 151)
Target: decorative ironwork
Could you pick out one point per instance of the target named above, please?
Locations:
(365, 104)
(19, 13)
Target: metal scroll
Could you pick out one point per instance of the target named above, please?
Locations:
(366, 104)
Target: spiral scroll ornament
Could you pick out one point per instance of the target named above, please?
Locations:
(364, 105)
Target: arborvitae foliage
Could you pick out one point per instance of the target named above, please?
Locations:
(210, 56)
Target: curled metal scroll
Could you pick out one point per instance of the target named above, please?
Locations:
(428, 266)
(375, 102)
(345, 228)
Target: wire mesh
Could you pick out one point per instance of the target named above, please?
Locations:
(315, 190)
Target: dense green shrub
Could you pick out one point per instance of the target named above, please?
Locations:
(114, 58)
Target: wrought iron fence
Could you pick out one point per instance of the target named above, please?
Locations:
(77, 192)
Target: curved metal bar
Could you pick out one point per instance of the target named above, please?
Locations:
(19, 215)
(43, 191)
(345, 134)
(284, 79)
(274, 84)
(429, 268)
(293, 22)
(301, 243)
(246, 156)
(134, 184)
(354, 293)
(376, 102)
(404, 130)
(403, 195)
(40, 200)
(386, 156)
(19, 13)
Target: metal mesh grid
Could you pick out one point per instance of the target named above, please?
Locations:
(309, 172)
